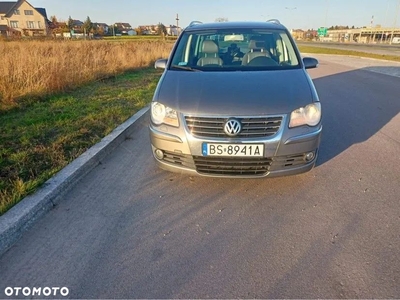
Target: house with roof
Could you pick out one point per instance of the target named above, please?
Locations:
(20, 18)
(123, 28)
(59, 26)
(173, 30)
(148, 29)
(298, 34)
(311, 34)
(77, 26)
(101, 28)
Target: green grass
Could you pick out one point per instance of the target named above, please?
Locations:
(41, 137)
(318, 50)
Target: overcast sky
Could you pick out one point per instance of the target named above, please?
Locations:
(303, 14)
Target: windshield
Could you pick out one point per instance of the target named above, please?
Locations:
(234, 50)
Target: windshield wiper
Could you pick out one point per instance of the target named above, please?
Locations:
(185, 68)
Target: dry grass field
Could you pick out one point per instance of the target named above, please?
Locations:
(58, 98)
(38, 68)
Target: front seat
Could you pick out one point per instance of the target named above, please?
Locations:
(257, 49)
(211, 56)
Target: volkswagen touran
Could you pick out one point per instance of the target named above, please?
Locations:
(235, 100)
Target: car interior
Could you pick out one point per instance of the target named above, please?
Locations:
(232, 51)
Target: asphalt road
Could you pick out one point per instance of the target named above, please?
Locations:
(129, 230)
(384, 49)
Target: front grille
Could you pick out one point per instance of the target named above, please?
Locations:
(251, 127)
(232, 165)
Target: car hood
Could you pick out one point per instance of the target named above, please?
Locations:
(235, 93)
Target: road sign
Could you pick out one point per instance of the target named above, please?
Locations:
(322, 31)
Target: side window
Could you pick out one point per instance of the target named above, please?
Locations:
(188, 51)
(181, 56)
(194, 48)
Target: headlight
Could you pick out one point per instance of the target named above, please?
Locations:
(309, 115)
(163, 114)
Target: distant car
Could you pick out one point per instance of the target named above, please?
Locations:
(396, 40)
(235, 100)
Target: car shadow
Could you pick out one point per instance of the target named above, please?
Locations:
(356, 105)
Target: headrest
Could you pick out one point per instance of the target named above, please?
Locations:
(256, 45)
(210, 47)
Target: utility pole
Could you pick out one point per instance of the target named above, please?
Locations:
(395, 22)
(177, 25)
(326, 13)
(383, 33)
(372, 37)
(290, 9)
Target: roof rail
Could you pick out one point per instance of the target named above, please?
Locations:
(195, 23)
(276, 21)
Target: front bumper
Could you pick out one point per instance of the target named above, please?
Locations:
(284, 153)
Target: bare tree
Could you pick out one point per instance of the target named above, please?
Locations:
(54, 19)
(88, 25)
(70, 23)
(161, 29)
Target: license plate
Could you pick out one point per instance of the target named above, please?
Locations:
(233, 150)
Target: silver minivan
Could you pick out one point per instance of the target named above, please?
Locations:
(235, 100)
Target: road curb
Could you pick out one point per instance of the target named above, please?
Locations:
(23, 215)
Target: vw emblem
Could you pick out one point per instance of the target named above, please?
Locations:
(232, 127)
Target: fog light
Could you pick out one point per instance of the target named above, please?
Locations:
(309, 156)
(159, 154)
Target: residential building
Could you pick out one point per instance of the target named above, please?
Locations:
(20, 18)
(3, 30)
(148, 29)
(298, 34)
(123, 28)
(311, 34)
(101, 28)
(77, 26)
(58, 26)
(173, 30)
(153, 30)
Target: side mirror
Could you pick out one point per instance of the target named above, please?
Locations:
(161, 64)
(310, 63)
